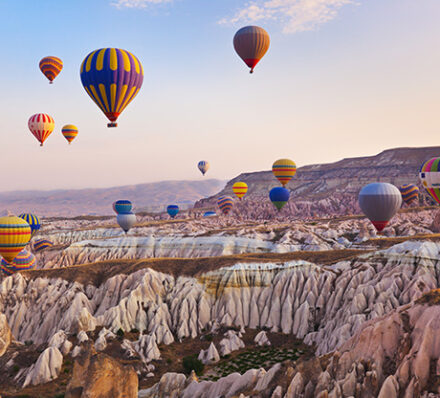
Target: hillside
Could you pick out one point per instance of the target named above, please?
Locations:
(147, 197)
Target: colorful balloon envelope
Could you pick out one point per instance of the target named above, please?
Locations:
(251, 43)
(41, 126)
(410, 193)
(51, 67)
(112, 78)
(23, 261)
(240, 189)
(209, 214)
(430, 177)
(380, 201)
(126, 221)
(122, 206)
(69, 132)
(225, 204)
(172, 210)
(41, 244)
(33, 221)
(15, 234)
(284, 170)
(203, 166)
(279, 196)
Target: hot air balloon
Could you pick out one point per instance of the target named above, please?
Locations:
(23, 261)
(126, 221)
(172, 210)
(203, 166)
(122, 206)
(41, 244)
(41, 126)
(430, 176)
(69, 132)
(279, 196)
(112, 77)
(380, 201)
(209, 214)
(251, 43)
(33, 221)
(410, 193)
(240, 189)
(225, 203)
(284, 170)
(15, 234)
(51, 67)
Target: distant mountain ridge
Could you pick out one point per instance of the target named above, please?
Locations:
(153, 196)
(330, 188)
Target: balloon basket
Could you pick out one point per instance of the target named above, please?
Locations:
(112, 124)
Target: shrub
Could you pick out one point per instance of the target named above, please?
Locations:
(209, 337)
(28, 342)
(120, 332)
(134, 330)
(192, 363)
(16, 368)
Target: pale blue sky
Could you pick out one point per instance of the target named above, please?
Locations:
(340, 79)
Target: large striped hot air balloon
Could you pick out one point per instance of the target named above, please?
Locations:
(284, 170)
(126, 221)
(33, 221)
(203, 166)
(225, 203)
(122, 206)
(69, 132)
(112, 77)
(279, 196)
(430, 176)
(410, 193)
(23, 261)
(240, 189)
(51, 67)
(41, 126)
(41, 244)
(251, 43)
(15, 234)
(172, 210)
(380, 201)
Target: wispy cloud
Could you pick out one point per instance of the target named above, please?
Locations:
(295, 15)
(137, 3)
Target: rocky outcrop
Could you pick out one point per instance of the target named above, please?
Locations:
(47, 367)
(210, 355)
(261, 339)
(230, 343)
(98, 375)
(5, 334)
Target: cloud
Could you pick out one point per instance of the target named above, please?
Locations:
(137, 3)
(295, 15)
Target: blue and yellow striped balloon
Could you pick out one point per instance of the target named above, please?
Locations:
(225, 203)
(23, 261)
(112, 77)
(122, 206)
(284, 170)
(172, 210)
(15, 234)
(410, 193)
(41, 244)
(33, 221)
(69, 131)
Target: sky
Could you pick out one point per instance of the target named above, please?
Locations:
(341, 79)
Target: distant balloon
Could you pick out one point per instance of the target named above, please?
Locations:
(122, 206)
(41, 244)
(284, 170)
(33, 221)
(251, 43)
(410, 193)
(430, 176)
(172, 210)
(380, 201)
(51, 67)
(23, 261)
(279, 196)
(112, 78)
(41, 126)
(240, 189)
(225, 203)
(126, 221)
(203, 166)
(69, 132)
(15, 234)
(209, 214)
